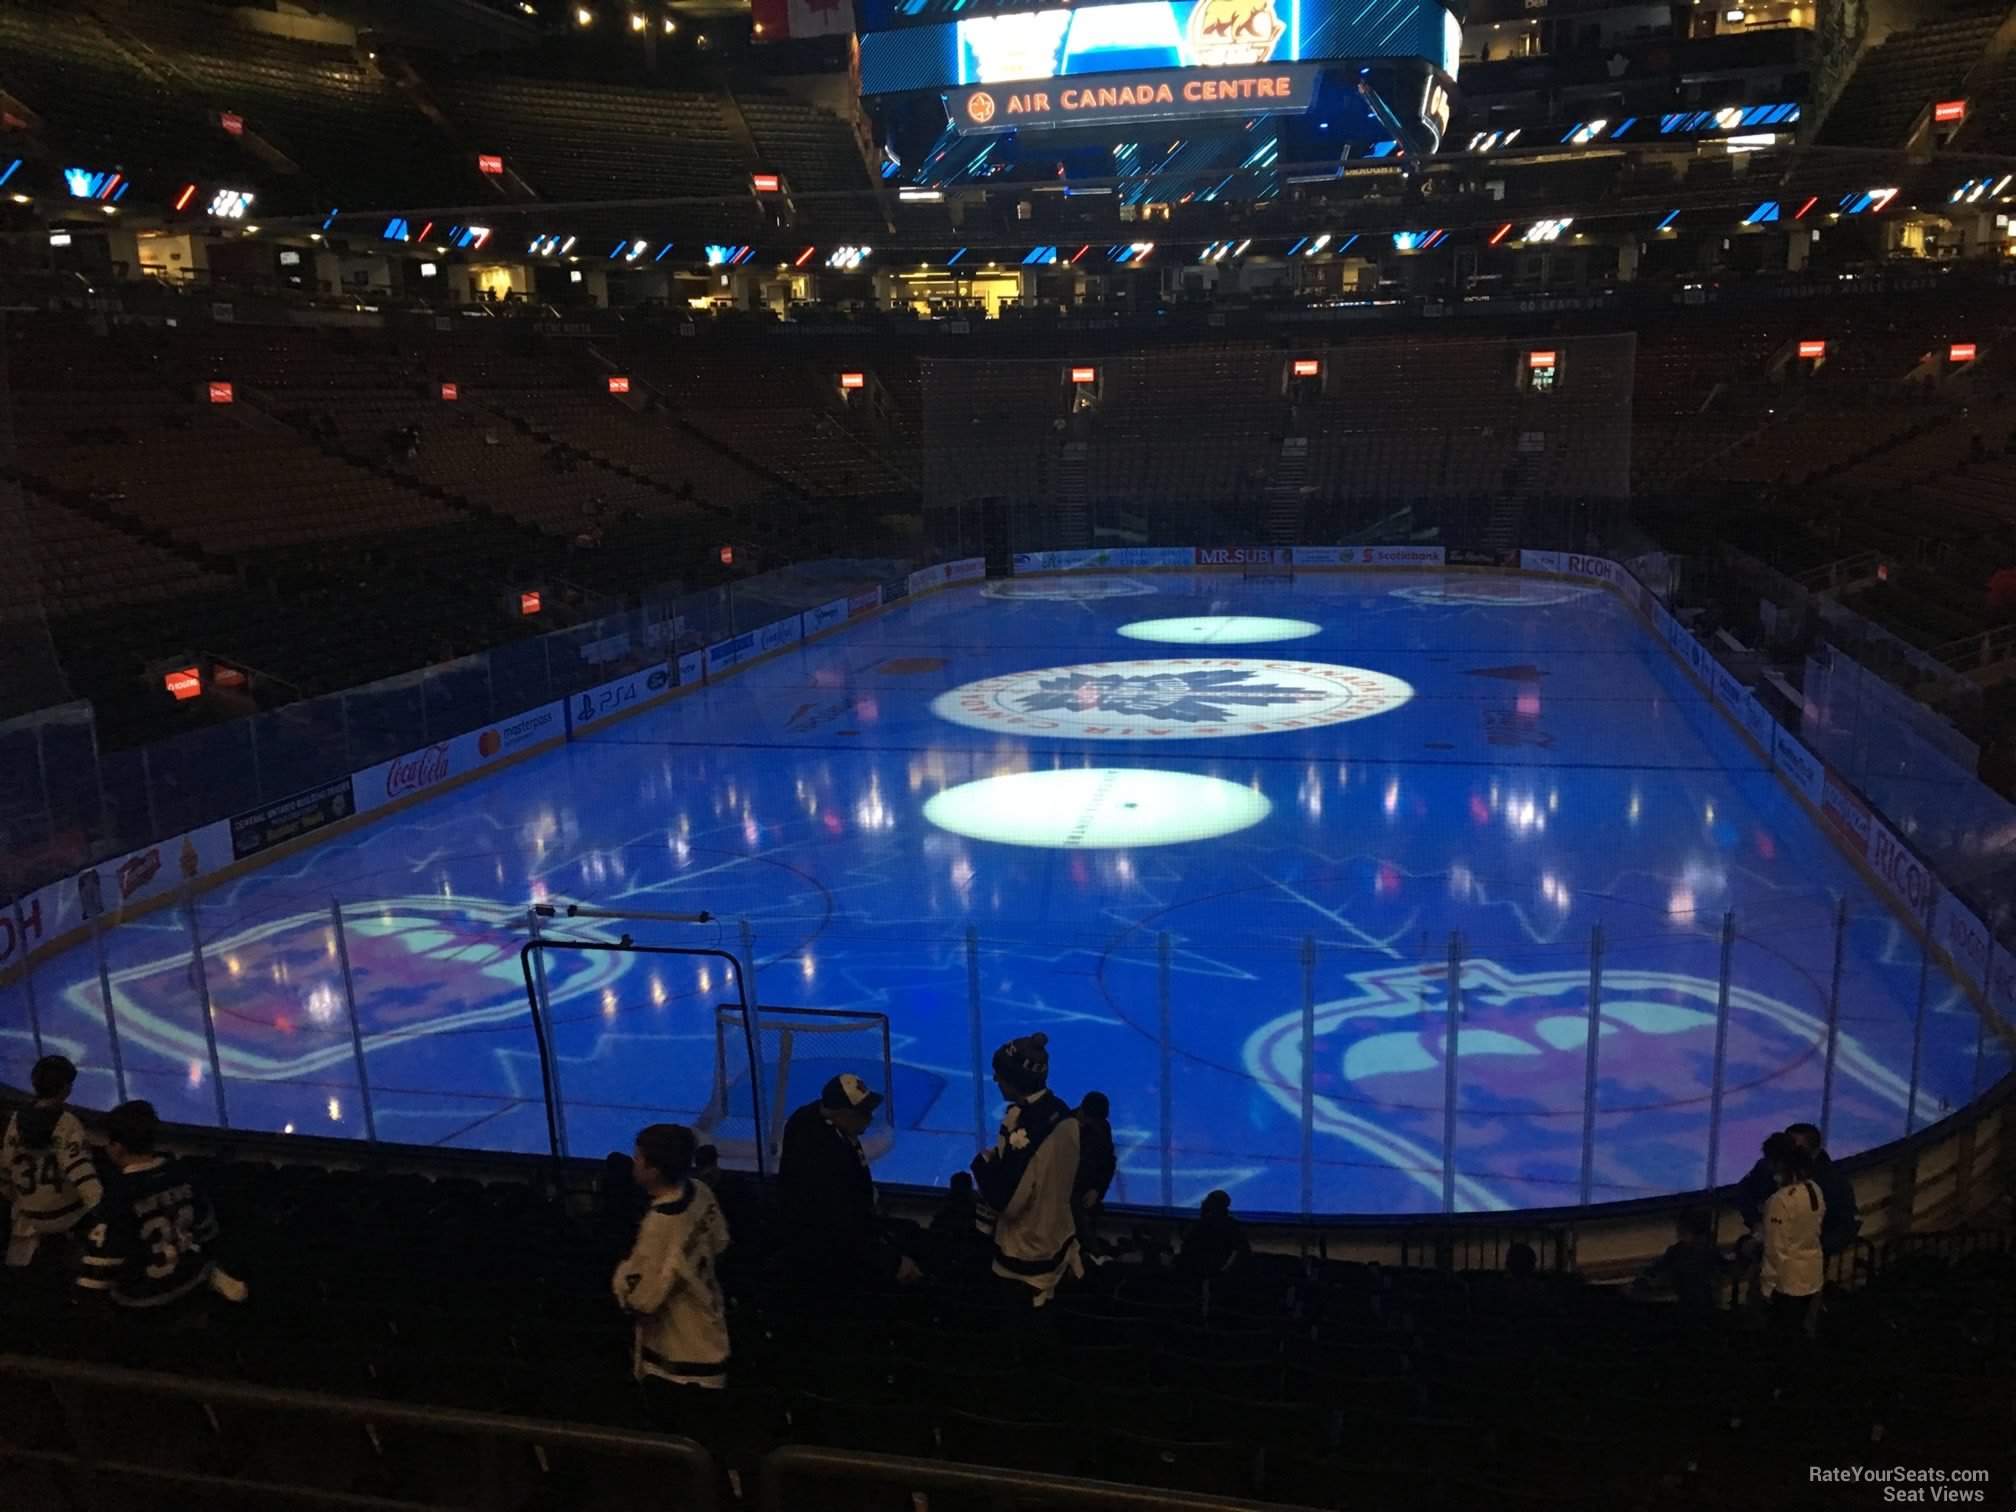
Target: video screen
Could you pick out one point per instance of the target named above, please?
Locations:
(1140, 35)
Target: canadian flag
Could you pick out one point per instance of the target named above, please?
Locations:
(777, 20)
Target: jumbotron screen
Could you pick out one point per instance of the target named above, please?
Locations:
(1001, 68)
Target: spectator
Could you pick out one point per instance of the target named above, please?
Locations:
(1216, 1242)
(1096, 1165)
(1757, 1186)
(1692, 1267)
(44, 1164)
(668, 1281)
(1521, 1260)
(707, 1167)
(957, 1209)
(1844, 1218)
(150, 1241)
(1027, 1175)
(1793, 1267)
(827, 1195)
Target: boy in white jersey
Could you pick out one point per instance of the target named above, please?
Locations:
(668, 1281)
(45, 1166)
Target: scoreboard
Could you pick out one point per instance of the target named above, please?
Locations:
(1003, 66)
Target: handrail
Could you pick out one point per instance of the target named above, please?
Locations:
(1008, 1485)
(323, 1405)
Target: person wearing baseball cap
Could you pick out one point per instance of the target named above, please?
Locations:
(831, 1228)
(1027, 1175)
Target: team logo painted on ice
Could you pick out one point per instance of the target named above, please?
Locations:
(1378, 1070)
(1066, 590)
(1175, 699)
(1495, 592)
(277, 985)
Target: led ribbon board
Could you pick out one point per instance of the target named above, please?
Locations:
(1167, 94)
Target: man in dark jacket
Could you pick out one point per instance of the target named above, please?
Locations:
(1096, 1165)
(1757, 1187)
(828, 1196)
(1692, 1268)
(1215, 1243)
(1843, 1221)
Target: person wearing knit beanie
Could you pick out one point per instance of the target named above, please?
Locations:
(1022, 1066)
(1027, 1175)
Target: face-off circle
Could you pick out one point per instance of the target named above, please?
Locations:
(1503, 593)
(1190, 698)
(1097, 808)
(1067, 590)
(1220, 630)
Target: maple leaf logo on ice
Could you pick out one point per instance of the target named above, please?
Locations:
(1188, 697)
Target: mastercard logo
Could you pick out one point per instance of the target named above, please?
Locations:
(980, 107)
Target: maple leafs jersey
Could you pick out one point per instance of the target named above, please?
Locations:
(149, 1242)
(668, 1283)
(52, 1185)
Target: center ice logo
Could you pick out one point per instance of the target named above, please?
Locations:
(1182, 698)
(1209, 698)
(1497, 592)
(1379, 1070)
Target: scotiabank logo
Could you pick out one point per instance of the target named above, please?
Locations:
(409, 774)
(1400, 556)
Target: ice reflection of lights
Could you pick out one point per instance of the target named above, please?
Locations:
(1524, 816)
(1460, 881)
(706, 980)
(1708, 812)
(1554, 801)
(657, 992)
(1311, 793)
(231, 964)
(806, 967)
(1680, 905)
(1391, 802)
(335, 1111)
(1555, 891)
(1636, 807)
(287, 1128)
(195, 1073)
(322, 1004)
(962, 876)
(608, 1002)
(871, 813)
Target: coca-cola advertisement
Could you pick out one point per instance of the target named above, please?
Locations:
(420, 769)
(445, 761)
